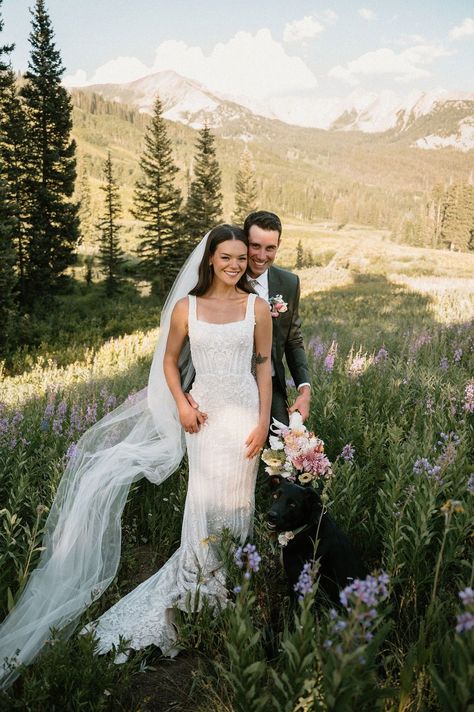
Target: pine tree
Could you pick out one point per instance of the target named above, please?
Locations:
(85, 209)
(53, 225)
(204, 205)
(245, 189)
(110, 253)
(157, 202)
(299, 255)
(457, 217)
(8, 304)
(13, 152)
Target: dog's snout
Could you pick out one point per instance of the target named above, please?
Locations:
(272, 517)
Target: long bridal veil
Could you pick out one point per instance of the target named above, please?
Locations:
(141, 438)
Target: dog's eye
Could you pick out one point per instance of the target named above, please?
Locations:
(276, 495)
(292, 505)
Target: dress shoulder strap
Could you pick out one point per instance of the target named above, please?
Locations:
(250, 312)
(192, 314)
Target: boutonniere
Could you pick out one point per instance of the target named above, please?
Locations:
(277, 305)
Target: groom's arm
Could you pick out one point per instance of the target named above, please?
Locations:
(296, 359)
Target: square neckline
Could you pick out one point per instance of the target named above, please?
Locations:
(223, 323)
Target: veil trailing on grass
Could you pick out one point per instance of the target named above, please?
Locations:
(82, 541)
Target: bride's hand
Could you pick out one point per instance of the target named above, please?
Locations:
(256, 440)
(189, 419)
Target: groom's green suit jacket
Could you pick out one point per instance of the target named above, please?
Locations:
(287, 337)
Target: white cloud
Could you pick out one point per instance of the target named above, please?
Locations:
(406, 39)
(464, 30)
(304, 29)
(366, 14)
(116, 71)
(404, 66)
(247, 65)
(329, 17)
(251, 65)
(79, 79)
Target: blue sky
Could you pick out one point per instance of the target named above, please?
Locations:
(262, 48)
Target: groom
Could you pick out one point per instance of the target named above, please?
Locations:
(281, 289)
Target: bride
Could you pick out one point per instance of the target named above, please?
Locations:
(212, 322)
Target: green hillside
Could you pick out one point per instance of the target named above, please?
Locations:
(304, 174)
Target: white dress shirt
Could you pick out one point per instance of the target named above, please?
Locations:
(260, 284)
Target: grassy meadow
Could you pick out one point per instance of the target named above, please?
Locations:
(390, 339)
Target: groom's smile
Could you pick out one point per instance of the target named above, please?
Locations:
(263, 246)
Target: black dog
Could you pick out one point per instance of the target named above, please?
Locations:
(299, 509)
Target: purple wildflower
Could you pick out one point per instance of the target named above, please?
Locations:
(290, 383)
(467, 596)
(381, 355)
(355, 626)
(422, 339)
(330, 357)
(316, 347)
(304, 585)
(424, 467)
(465, 622)
(457, 356)
(370, 591)
(469, 397)
(61, 409)
(110, 402)
(72, 451)
(75, 421)
(247, 556)
(58, 426)
(17, 418)
(48, 411)
(91, 413)
(470, 483)
(103, 392)
(348, 452)
(444, 364)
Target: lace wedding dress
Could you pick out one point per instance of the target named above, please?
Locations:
(220, 489)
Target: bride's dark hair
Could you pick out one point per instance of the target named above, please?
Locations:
(219, 234)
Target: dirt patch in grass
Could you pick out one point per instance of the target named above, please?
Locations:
(167, 687)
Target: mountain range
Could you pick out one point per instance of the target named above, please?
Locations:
(424, 120)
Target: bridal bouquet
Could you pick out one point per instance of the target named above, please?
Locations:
(295, 452)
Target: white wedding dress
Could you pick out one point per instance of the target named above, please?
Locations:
(220, 489)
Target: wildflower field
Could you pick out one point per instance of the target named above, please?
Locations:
(390, 338)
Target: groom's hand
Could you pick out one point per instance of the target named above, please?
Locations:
(201, 417)
(302, 403)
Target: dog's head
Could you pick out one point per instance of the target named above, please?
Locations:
(293, 506)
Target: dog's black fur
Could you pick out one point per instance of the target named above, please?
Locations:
(294, 506)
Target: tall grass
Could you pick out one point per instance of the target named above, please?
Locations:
(392, 375)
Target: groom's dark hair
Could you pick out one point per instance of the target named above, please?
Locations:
(263, 219)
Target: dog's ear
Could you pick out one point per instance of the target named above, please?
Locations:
(274, 481)
(312, 500)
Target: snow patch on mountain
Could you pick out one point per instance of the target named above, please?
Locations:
(462, 140)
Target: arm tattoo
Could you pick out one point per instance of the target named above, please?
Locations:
(260, 359)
